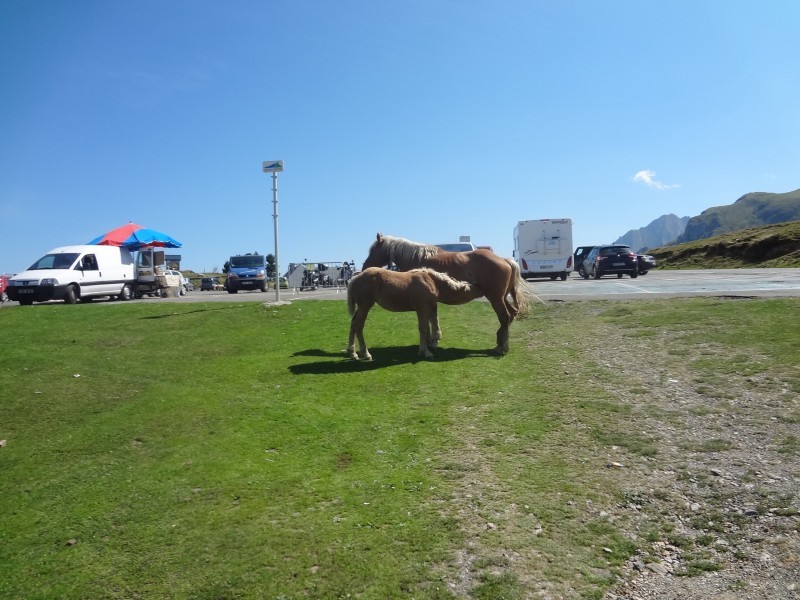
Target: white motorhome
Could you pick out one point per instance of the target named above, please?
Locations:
(543, 248)
(73, 273)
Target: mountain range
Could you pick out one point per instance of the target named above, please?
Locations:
(751, 210)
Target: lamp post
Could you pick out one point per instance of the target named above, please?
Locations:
(274, 167)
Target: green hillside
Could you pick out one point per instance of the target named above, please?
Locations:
(751, 210)
(768, 246)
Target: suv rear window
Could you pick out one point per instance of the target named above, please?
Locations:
(614, 250)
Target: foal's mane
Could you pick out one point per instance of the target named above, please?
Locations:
(405, 252)
(453, 284)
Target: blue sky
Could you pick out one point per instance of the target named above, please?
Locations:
(425, 119)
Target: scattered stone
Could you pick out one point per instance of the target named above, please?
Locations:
(657, 568)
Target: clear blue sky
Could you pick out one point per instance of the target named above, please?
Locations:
(425, 119)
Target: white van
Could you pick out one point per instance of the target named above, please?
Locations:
(73, 273)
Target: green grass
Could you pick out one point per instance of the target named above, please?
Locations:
(231, 451)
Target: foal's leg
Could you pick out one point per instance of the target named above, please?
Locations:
(435, 331)
(357, 330)
(423, 318)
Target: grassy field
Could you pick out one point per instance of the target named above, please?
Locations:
(230, 451)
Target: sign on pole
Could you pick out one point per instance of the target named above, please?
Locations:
(273, 166)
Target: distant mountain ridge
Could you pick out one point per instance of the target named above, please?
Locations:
(755, 209)
(751, 210)
(660, 232)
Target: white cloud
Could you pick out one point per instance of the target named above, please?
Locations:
(647, 177)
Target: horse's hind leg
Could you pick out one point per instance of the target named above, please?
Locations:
(357, 331)
(503, 315)
(423, 321)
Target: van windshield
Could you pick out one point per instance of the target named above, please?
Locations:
(54, 261)
(253, 260)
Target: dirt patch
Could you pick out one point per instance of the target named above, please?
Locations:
(705, 482)
(717, 501)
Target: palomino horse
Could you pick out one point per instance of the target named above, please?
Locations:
(498, 277)
(417, 290)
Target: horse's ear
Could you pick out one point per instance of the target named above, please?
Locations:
(380, 237)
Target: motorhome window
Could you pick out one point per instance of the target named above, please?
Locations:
(254, 260)
(54, 261)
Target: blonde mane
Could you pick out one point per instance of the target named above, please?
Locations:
(407, 253)
(453, 284)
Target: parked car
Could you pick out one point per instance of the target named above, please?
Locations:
(646, 262)
(457, 247)
(3, 285)
(578, 257)
(186, 285)
(210, 284)
(610, 260)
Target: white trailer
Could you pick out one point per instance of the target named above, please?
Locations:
(543, 248)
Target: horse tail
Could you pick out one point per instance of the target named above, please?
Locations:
(520, 291)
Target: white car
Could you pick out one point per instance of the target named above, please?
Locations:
(186, 285)
(457, 247)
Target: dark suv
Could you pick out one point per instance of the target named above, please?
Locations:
(209, 284)
(610, 260)
(578, 257)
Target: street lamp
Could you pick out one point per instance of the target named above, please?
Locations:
(274, 167)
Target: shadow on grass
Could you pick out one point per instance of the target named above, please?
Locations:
(382, 357)
(196, 310)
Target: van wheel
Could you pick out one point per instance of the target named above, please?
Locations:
(126, 293)
(71, 296)
(26, 301)
(634, 274)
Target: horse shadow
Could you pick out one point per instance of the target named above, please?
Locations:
(382, 357)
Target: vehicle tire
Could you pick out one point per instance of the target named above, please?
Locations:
(634, 274)
(619, 275)
(26, 301)
(230, 291)
(583, 273)
(263, 288)
(643, 272)
(71, 296)
(126, 293)
(564, 276)
(597, 274)
(553, 277)
(183, 291)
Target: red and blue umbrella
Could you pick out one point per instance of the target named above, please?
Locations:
(134, 237)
